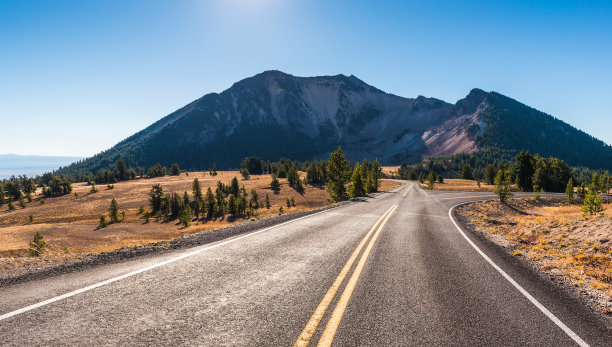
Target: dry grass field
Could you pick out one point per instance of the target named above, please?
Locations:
(556, 237)
(463, 185)
(69, 223)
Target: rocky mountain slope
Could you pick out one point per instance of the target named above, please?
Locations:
(274, 115)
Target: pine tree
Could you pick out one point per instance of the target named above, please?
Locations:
(175, 170)
(121, 171)
(569, 191)
(102, 223)
(185, 215)
(113, 211)
(267, 201)
(489, 174)
(357, 188)
(292, 201)
(582, 191)
(606, 185)
(254, 198)
(592, 203)
(337, 176)
(38, 245)
(234, 186)
(213, 170)
(275, 184)
(421, 178)
(466, 172)
(595, 184)
(502, 185)
(245, 173)
(232, 207)
(431, 180)
(210, 204)
(155, 198)
(524, 169)
(196, 189)
(288, 202)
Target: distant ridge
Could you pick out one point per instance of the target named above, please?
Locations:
(274, 115)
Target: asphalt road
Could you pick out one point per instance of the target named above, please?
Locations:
(390, 270)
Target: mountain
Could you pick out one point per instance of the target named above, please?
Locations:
(274, 115)
(31, 165)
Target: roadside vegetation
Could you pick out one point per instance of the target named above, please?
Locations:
(86, 219)
(554, 235)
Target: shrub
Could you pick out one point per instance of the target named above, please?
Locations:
(102, 223)
(592, 204)
(38, 245)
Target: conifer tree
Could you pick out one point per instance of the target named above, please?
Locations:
(337, 175)
(232, 208)
(210, 204)
(245, 173)
(489, 174)
(234, 187)
(431, 180)
(592, 203)
(524, 169)
(113, 211)
(466, 172)
(502, 185)
(357, 188)
(582, 191)
(213, 170)
(275, 184)
(267, 201)
(421, 178)
(102, 223)
(155, 198)
(38, 245)
(254, 198)
(606, 185)
(569, 191)
(595, 184)
(288, 202)
(121, 171)
(175, 170)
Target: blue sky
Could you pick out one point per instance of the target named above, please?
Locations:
(76, 77)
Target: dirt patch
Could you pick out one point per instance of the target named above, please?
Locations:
(553, 237)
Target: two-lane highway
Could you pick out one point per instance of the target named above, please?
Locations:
(389, 270)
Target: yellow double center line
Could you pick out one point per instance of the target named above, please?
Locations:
(334, 321)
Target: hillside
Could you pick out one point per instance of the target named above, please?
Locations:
(274, 115)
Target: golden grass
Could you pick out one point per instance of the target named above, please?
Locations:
(454, 184)
(556, 235)
(69, 223)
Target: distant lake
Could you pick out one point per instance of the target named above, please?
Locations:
(30, 165)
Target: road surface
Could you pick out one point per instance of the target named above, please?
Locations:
(391, 270)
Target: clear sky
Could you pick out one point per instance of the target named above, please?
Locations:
(76, 77)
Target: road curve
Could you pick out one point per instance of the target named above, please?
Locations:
(388, 270)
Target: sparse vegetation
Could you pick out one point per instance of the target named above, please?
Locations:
(502, 185)
(38, 245)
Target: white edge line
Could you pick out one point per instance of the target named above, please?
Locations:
(147, 268)
(533, 300)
